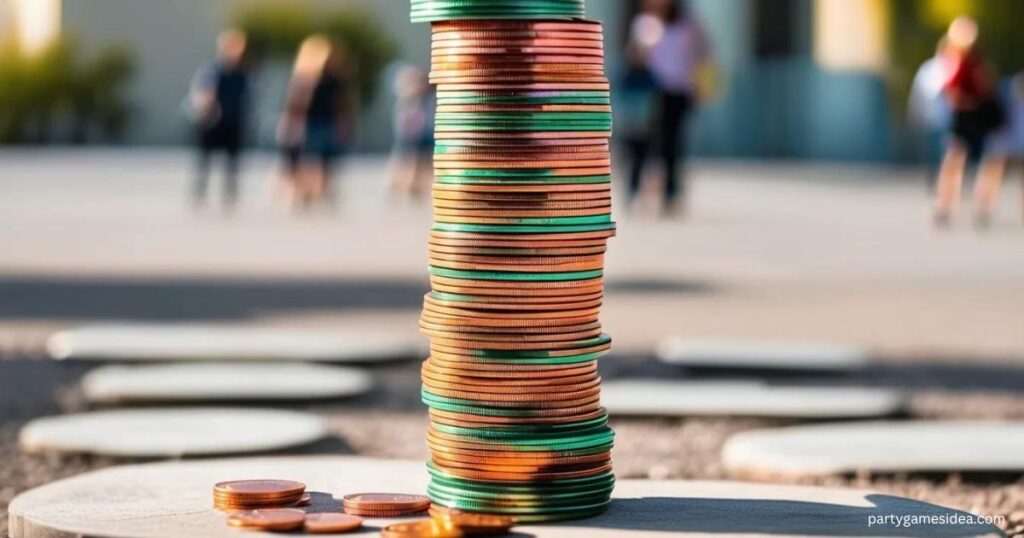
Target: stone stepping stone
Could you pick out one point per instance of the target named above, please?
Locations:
(745, 398)
(172, 499)
(202, 382)
(170, 342)
(176, 432)
(821, 449)
(760, 355)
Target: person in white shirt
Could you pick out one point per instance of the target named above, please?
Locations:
(678, 48)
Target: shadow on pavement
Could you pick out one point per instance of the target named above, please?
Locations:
(28, 297)
(792, 518)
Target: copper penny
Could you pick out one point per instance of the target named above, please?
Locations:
(471, 523)
(525, 477)
(513, 25)
(270, 519)
(259, 488)
(483, 61)
(385, 502)
(480, 421)
(592, 167)
(331, 522)
(587, 86)
(441, 42)
(426, 528)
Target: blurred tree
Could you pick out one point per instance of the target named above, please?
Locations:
(276, 28)
(38, 89)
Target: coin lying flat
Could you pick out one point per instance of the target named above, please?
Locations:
(384, 504)
(426, 528)
(272, 519)
(331, 522)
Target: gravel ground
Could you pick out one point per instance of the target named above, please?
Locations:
(390, 423)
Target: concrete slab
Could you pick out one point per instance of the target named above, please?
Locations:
(138, 342)
(173, 432)
(879, 447)
(759, 354)
(745, 398)
(200, 382)
(172, 499)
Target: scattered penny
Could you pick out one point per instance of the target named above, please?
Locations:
(472, 524)
(424, 528)
(384, 504)
(328, 522)
(270, 519)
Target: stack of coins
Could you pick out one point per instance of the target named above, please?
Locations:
(249, 494)
(522, 209)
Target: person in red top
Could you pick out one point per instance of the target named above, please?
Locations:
(969, 90)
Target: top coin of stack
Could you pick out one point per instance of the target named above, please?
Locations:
(522, 213)
(441, 10)
(247, 494)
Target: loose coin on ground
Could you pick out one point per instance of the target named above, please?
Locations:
(903, 446)
(747, 399)
(140, 342)
(172, 500)
(176, 432)
(223, 382)
(268, 519)
(332, 522)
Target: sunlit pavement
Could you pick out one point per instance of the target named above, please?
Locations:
(767, 251)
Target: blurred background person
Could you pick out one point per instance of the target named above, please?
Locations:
(410, 166)
(677, 52)
(976, 113)
(634, 109)
(928, 112)
(219, 105)
(1005, 147)
(318, 120)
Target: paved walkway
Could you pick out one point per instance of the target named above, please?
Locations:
(781, 252)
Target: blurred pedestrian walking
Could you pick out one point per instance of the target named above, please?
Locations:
(410, 167)
(218, 106)
(634, 113)
(928, 112)
(976, 113)
(318, 121)
(1005, 147)
(677, 53)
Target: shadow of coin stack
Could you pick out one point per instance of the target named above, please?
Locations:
(522, 214)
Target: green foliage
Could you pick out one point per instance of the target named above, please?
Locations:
(917, 25)
(276, 28)
(56, 82)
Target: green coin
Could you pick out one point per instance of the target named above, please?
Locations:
(566, 512)
(521, 229)
(552, 221)
(553, 180)
(495, 275)
(524, 116)
(516, 127)
(553, 496)
(524, 100)
(536, 353)
(494, 412)
(523, 93)
(539, 506)
(574, 359)
(513, 173)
